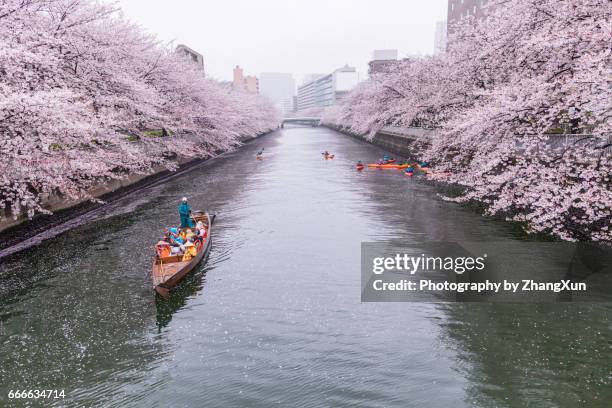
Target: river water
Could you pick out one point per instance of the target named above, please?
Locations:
(274, 317)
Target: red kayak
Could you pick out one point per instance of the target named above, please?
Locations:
(360, 167)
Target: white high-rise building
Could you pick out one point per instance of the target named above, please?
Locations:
(384, 55)
(440, 38)
(381, 60)
(279, 88)
(327, 90)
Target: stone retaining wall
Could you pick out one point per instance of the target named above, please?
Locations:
(404, 142)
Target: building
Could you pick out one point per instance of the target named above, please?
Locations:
(311, 77)
(440, 38)
(458, 9)
(279, 87)
(249, 83)
(286, 106)
(193, 55)
(381, 60)
(328, 89)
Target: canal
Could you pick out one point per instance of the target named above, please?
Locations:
(274, 317)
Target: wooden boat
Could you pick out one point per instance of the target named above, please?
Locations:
(169, 271)
(329, 156)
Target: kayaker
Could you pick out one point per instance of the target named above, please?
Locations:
(423, 165)
(185, 214)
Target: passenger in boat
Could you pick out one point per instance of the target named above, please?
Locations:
(163, 249)
(189, 235)
(175, 237)
(198, 241)
(167, 237)
(185, 214)
(201, 230)
(190, 251)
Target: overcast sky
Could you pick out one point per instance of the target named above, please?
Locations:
(296, 36)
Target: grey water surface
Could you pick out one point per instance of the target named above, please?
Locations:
(274, 317)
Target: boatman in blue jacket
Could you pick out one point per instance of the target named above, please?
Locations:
(185, 214)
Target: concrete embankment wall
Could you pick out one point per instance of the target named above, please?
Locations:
(103, 191)
(405, 142)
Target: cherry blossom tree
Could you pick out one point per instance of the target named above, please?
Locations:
(521, 105)
(86, 97)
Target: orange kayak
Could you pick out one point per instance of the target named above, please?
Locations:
(388, 166)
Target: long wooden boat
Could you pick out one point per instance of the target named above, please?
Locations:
(169, 271)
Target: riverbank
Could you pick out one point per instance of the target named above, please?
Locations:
(13, 231)
(406, 142)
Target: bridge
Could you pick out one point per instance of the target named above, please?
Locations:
(314, 122)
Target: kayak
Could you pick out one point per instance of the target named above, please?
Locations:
(259, 157)
(329, 157)
(168, 271)
(388, 166)
(360, 167)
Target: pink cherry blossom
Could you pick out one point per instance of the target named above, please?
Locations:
(507, 84)
(86, 95)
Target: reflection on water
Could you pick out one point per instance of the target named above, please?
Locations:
(274, 316)
(187, 289)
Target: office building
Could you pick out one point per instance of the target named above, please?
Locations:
(381, 60)
(191, 54)
(247, 83)
(279, 87)
(440, 38)
(458, 9)
(328, 89)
